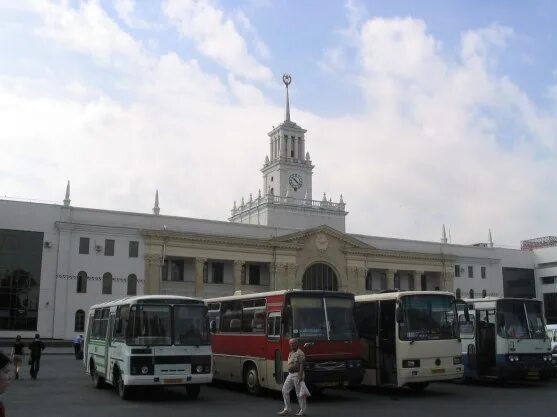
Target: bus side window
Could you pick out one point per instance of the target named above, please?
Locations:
(366, 319)
(231, 319)
(121, 323)
(273, 327)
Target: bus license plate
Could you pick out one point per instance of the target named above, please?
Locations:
(533, 373)
(173, 381)
(438, 371)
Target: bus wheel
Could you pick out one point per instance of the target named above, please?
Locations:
(251, 380)
(98, 381)
(121, 387)
(418, 386)
(193, 391)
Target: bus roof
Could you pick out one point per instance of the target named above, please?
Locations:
(491, 299)
(272, 293)
(394, 295)
(135, 299)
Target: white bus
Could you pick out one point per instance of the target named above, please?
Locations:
(156, 340)
(409, 338)
(505, 338)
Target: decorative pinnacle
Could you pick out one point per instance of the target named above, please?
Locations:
(443, 235)
(67, 197)
(490, 239)
(156, 209)
(287, 79)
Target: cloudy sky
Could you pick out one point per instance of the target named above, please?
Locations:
(419, 113)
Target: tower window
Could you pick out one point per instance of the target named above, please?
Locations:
(292, 154)
(271, 179)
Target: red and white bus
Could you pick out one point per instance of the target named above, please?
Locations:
(250, 336)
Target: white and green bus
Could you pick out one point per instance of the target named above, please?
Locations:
(154, 340)
(409, 338)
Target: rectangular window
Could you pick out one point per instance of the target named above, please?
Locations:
(457, 271)
(218, 272)
(484, 272)
(177, 270)
(231, 317)
(470, 272)
(205, 272)
(253, 316)
(134, 249)
(254, 275)
(548, 280)
(108, 247)
(83, 245)
(369, 281)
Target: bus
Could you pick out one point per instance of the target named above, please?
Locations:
(250, 334)
(155, 340)
(504, 338)
(409, 338)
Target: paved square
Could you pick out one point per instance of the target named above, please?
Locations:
(63, 390)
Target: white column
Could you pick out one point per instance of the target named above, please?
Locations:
(296, 149)
(288, 147)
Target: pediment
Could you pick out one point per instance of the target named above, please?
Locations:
(328, 231)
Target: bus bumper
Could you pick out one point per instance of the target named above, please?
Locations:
(411, 375)
(525, 370)
(167, 380)
(323, 378)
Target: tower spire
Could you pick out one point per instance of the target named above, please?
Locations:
(287, 79)
(67, 197)
(156, 209)
(443, 235)
(490, 238)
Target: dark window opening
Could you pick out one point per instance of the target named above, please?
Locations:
(254, 275)
(81, 282)
(107, 283)
(134, 249)
(109, 247)
(217, 272)
(84, 245)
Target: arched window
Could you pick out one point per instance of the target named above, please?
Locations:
(458, 293)
(320, 276)
(484, 293)
(82, 282)
(79, 324)
(472, 293)
(132, 284)
(107, 283)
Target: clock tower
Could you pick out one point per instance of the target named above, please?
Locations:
(287, 169)
(286, 200)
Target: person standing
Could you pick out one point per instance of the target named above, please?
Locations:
(295, 377)
(17, 355)
(5, 371)
(77, 342)
(36, 348)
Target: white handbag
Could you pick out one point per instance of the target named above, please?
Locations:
(304, 391)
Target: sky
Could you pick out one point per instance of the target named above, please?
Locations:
(419, 113)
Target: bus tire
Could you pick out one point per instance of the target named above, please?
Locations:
(122, 389)
(251, 380)
(192, 390)
(418, 386)
(98, 381)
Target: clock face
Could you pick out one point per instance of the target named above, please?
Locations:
(295, 181)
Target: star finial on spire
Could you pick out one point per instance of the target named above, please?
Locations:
(156, 209)
(67, 197)
(287, 79)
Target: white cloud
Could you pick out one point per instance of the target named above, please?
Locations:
(216, 36)
(428, 148)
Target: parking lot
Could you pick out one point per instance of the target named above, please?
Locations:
(64, 390)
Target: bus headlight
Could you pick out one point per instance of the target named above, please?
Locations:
(547, 357)
(457, 360)
(513, 358)
(354, 364)
(411, 363)
(144, 370)
(199, 369)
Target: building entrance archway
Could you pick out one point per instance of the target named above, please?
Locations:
(320, 276)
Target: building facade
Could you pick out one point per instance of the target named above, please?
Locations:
(58, 260)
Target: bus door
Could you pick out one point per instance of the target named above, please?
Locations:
(366, 319)
(273, 354)
(485, 341)
(387, 343)
(110, 326)
(88, 339)
(468, 337)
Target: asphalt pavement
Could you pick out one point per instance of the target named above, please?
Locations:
(63, 390)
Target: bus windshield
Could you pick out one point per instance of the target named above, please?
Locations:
(323, 318)
(149, 325)
(428, 317)
(190, 325)
(518, 319)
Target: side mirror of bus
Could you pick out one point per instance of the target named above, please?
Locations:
(213, 326)
(466, 314)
